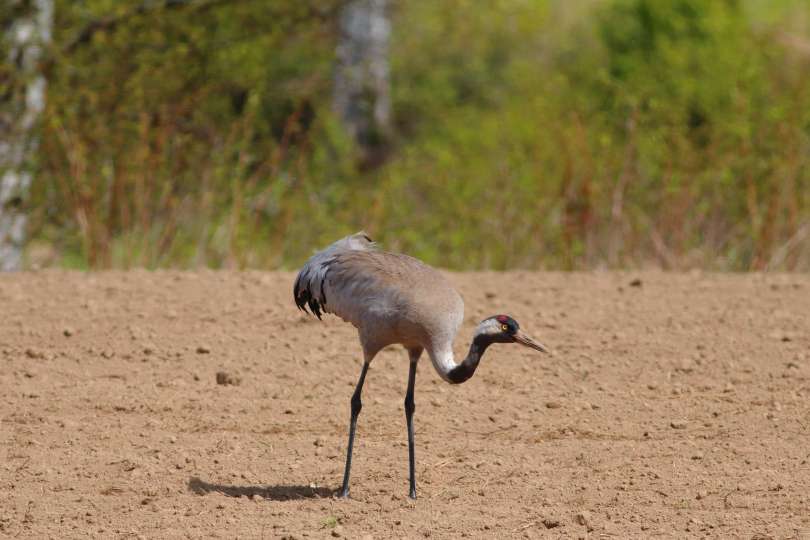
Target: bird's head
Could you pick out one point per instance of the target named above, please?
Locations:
(505, 329)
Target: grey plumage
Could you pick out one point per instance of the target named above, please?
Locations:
(309, 285)
(389, 297)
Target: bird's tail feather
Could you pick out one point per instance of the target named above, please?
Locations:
(309, 285)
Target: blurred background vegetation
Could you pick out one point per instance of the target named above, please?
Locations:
(525, 134)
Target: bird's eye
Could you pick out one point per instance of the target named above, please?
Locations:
(504, 327)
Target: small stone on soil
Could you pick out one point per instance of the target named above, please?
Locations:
(678, 424)
(203, 349)
(551, 523)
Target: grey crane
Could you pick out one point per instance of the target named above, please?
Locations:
(393, 298)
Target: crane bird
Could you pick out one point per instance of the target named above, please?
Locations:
(392, 298)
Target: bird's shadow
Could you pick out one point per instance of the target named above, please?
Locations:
(272, 493)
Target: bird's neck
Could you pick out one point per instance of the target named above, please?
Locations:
(458, 373)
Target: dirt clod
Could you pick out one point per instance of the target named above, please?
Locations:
(35, 354)
(203, 349)
(551, 523)
(584, 519)
(226, 379)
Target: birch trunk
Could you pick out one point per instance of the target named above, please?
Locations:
(21, 102)
(362, 88)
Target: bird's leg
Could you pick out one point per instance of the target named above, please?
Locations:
(357, 405)
(410, 407)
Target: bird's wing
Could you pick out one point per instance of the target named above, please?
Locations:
(310, 285)
(372, 285)
(398, 293)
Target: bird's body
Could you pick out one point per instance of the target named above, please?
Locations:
(393, 298)
(390, 298)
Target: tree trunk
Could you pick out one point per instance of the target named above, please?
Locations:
(362, 98)
(22, 98)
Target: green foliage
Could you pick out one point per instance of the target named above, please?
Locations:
(528, 134)
(174, 136)
(646, 131)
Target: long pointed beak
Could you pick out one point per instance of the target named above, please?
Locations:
(526, 341)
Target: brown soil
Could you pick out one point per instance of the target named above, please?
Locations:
(170, 404)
